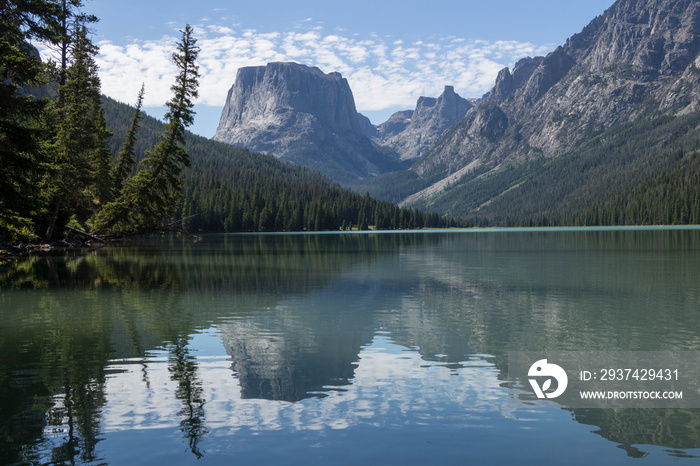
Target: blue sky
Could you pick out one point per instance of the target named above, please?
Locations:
(391, 52)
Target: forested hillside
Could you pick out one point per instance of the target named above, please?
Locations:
(65, 171)
(58, 172)
(642, 173)
(228, 189)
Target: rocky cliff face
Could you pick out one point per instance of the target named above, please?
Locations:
(303, 115)
(411, 133)
(637, 59)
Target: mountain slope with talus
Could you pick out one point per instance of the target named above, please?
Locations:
(633, 70)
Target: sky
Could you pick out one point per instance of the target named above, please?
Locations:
(391, 51)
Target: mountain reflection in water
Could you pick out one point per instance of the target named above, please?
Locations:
(332, 332)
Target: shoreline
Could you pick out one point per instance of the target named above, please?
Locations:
(9, 251)
(470, 230)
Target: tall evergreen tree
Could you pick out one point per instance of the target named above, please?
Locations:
(68, 18)
(22, 127)
(150, 198)
(127, 156)
(79, 181)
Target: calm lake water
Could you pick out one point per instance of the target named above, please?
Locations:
(378, 348)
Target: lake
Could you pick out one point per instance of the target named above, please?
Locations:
(352, 348)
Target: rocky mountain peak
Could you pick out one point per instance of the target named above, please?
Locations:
(639, 59)
(301, 114)
(410, 133)
(507, 82)
(660, 36)
(266, 95)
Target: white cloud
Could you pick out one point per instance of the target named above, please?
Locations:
(383, 72)
(123, 69)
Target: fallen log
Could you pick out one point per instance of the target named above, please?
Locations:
(83, 233)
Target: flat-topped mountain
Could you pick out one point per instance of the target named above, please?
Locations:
(303, 115)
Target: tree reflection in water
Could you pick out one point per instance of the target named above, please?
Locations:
(63, 320)
(183, 369)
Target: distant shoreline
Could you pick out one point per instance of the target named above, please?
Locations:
(468, 230)
(16, 250)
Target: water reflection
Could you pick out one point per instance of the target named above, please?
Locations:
(675, 429)
(275, 359)
(185, 371)
(328, 332)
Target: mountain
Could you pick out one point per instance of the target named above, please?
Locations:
(565, 138)
(410, 133)
(229, 189)
(633, 71)
(300, 114)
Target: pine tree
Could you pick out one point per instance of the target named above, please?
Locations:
(68, 18)
(23, 127)
(150, 198)
(79, 181)
(127, 155)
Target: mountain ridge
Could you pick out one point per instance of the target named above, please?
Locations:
(301, 114)
(636, 64)
(411, 132)
(638, 60)
(230, 189)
